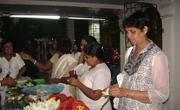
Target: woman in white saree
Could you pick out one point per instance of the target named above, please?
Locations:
(62, 64)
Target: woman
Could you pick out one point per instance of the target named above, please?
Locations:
(12, 65)
(96, 78)
(86, 40)
(62, 64)
(75, 52)
(146, 75)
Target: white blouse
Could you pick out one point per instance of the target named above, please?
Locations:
(96, 78)
(13, 66)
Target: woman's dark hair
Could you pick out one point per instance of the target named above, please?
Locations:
(79, 49)
(138, 20)
(89, 39)
(95, 49)
(4, 42)
(64, 44)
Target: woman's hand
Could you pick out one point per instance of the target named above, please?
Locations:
(10, 81)
(54, 80)
(25, 56)
(115, 91)
(18, 76)
(73, 81)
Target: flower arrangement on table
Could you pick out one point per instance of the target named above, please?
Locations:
(43, 98)
(58, 102)
(13, 96)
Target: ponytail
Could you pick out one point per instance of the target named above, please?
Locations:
(102, 52)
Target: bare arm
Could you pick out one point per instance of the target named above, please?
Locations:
(92, 94)
(141, 96)
(8, 81)
(81, 58)
(21, 72)
(63, 79)
(44, 67)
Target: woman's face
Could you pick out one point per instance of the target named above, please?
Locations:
(75, 48)
(135, 35)
(83, 44)
(8, 48)
(91, 61)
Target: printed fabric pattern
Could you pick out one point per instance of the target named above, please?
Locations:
(140, 80)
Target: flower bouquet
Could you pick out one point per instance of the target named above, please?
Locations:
(44, 105)
(14, 98)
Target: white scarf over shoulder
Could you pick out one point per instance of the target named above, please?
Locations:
(61, 66)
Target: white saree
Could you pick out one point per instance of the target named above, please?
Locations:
(61, 68)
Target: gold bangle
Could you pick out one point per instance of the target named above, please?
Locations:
(132, 94)
(35, 62)
(127, 93)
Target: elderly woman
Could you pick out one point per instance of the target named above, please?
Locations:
(62, 64)
(145, 84)
(11, 64)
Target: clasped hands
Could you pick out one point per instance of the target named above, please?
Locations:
(113, 91)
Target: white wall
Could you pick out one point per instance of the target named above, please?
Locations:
(175, 89)
(165, 8)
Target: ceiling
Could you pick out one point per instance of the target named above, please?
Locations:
(78, 8)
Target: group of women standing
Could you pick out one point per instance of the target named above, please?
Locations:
(145, 83)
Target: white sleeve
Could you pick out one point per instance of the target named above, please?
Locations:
(20, 61)
(81, 69)
(160, 75)
(54, 57)
(101, 79)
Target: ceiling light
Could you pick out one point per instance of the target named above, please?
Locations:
(81, 18)
(35, 16)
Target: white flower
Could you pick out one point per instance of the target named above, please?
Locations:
(46, 105)
(104, 93)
